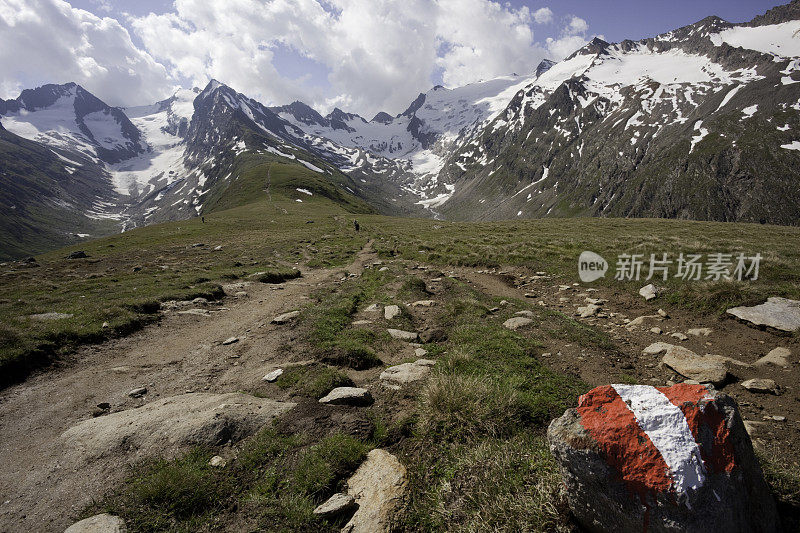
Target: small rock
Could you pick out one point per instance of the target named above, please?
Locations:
(406, 372)
(347, 396)
(80, 254)
(662, 313)
(273, 376)
(529, 314)
(679, 336)
(761, 385)
(337, 504)
(700, 332)
(105, 325)
(503, 303)
(648, 292)
(596, 301)
(424, 303)
(383, 269)
(230, 340)
(217, 461)
(638, 321)
(587, 311)
(656, 330)
(138, 392)
(198, 245)
(399, 334)
(420, 352)
(218, 248)
(778, 357)
(425, 362)
(286, 317)
(704, 369)
(374, 308)
(100, 523)
(391, 311)
(517, 322)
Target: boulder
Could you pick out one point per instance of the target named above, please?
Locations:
(286, 317)
(337, 504)
(648, 292)
(399, 334)
(670, 459)
(100, 523)
(378, 487)
(347, 396)
(517, 322)
(761, 385)
(391, 311)
(779, 313)
(407, 372)
(183, 420)
(778, 357)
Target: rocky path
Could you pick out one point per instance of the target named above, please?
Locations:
(217, 347)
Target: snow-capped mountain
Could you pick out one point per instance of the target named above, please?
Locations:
(700, 122)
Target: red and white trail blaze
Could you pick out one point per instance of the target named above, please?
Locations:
(652, 435)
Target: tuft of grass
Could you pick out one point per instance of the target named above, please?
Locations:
(315, 381)
(323, 464)
(279, 276)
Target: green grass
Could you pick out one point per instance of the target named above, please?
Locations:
(315, 381)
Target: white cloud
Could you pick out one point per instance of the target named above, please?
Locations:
(48, 41)
(543, 15)
(576, 26)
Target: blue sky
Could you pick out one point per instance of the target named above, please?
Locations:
(362, 55)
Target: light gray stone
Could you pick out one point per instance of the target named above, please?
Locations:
(286, 317)
(700, 332)
(761, 385)
(588, 310)
(420, 352)
(406, 372)
(517, 322)
(378, 487)
(704, 369)
(648, 292)
(217, 461)
(347, 396)
(678, 335)
(230, 340)
(137, 392)
(399, 334)
(337, 504)
(100, 523)
(778, 357)
(779, 313)
(183, 420)
(273, 376)
(424, 303)
(391, 311)
(525, 313)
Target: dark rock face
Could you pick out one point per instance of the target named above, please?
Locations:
(674, 459)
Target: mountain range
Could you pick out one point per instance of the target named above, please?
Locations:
(698, 123)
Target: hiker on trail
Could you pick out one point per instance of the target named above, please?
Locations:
(203, 219)
(355, 225)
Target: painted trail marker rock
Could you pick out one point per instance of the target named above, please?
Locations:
(638, 458)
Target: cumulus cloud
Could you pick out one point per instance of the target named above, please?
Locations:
(50, 41)
(371, 54)
(543, 15)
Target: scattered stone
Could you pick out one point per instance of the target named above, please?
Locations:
(503, 303)
(335, 505)
(420, 352)
(378, 487)
(230, 340)
(362, 322)
(80, 254)
(517, 322)
(100, 523)
(200, 301)
(425, 362)
(424, 303)
(704, 369)
(526, 313)
(779, 313)
(648, 292)
(391, 311)
(700, 332)
(374, 308)
(50, 316)
(406, 372)
(619, 480)
(198, 245)
(383, 269)
(183, 420)
(399, 334)
(273, 376)
(286, 317)
(200, 312)
(138, 392)
(587, 311)
(105, 325)
(656, 330)
(638, 321)
(347, 396)
(679, 336)
(596, 301)
(432, 334)
(778, 357)
(530, 295)
(761, 385)
(218, 462)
